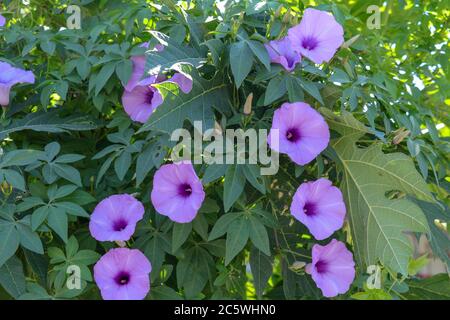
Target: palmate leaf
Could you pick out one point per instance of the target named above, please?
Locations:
(377, 223)
(172, 57)
(197, 105)
(49, 122)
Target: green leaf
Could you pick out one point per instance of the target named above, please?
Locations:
(197, 105)
(260, 52)
(172, 57)
(180, 233)
(312, 89)
(122, 164)
(103, 76)
(29, 239)
(241, 60)
(377, 223)
(194, 271)
(434, 288)
(221, 225)
(57, 220)
(14, 178)
(124, 70)
(72, 208)
(294, 89)
(38, 216)
(164, 293)
(253, 175)
(258, 235)
(12, 278)
(262, 268)
(237, 236)
(144, 164)
(233, 186)
(275, 89)
(415, 265)
(20, 158)
(9, 241)
(85, 257)
(214, 172)
(67, 172)
(49, 122)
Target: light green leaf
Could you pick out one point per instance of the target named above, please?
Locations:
(377, 223)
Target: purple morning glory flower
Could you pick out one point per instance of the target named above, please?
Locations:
(140, 98)
(317, 36)
(319, 206)
(303, 132)
(332, 268)
(123, 274)
(115, 218)
(9, 76)
(177, 192)
(2, 21)
(281, 51)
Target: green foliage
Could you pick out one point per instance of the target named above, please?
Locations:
(67, 143)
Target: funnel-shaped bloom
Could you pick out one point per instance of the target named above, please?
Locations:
(115, 218)
(302, 132)
(332, 268)
(177, 192)
(319, 206)
(9, 76)
(123, 274)
(317, 36)
(281, 51)
(2, 21)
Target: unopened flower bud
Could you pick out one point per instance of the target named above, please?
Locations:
(297, 266)
(248, 104)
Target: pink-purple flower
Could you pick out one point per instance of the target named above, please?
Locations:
(123, 274)
(177, 192)
(317, 36)
(332, 268)
(302, 132)
(115, 218)
(320, 207)
(140, 97)
(2, 21)
(281, 52)
(10, 76)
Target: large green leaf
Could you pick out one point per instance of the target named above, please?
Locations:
(377, 223)
(49, 122)
(197, 105)
(173, 56)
